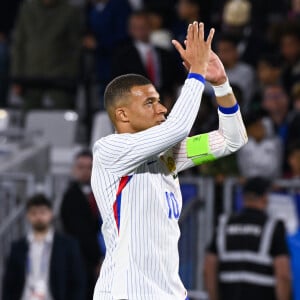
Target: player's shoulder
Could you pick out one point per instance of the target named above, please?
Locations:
(111, 141)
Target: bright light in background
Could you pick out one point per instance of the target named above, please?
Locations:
(71, 116)
(3, 114)
(4, 119)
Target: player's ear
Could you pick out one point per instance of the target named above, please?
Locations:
(121, 115)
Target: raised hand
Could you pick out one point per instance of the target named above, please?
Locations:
(215, 72)
(197, 50)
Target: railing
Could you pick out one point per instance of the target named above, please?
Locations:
(14, 187)
(196, 220)
(196, 223)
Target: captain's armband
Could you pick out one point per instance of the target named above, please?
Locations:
(198, 149)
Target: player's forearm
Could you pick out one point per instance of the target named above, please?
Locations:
(230, 137)
(211, 276)
(232, 129)
(283, 289)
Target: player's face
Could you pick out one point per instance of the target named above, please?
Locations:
(144, 109)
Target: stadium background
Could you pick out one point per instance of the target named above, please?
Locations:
(259, 43)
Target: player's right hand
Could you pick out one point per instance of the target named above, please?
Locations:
(197, 51)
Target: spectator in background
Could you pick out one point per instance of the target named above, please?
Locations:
(45, 264)
(262, 155)
(294, 115)
(8, 11)
(4, 67)
(107, 23)
(276, 103)
(248, 257)
(237, 20)
(269, 69)
(46, 46)
(160, 36)
(293, 158)
(268, 72)
(296, 97)
(81, 219)
(294, 13)
(188, 11)
(238, 72)
(139, 56)
(290, 49)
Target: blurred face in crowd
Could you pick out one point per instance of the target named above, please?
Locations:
(143, 109)
(290, 47)
(49, 2)
(256, 201)
(257, 130)
(187, 10)
(267, 74)
(296, 6)
(155, 21)
(40, 217)
(139, 28)
(296, 97)
(294, 162)
(228, 54)
(296, 104)
(275, 102)
(82, 169)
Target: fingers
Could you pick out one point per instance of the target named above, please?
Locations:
(190, 35)
(210, 36)
(201, 31)
(178, 47)
(195, 30)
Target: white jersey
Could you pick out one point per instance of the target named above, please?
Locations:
(136, 186)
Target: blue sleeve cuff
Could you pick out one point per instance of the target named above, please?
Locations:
(229, 110)
(196, 76)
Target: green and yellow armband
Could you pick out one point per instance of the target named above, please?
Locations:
(198, 149)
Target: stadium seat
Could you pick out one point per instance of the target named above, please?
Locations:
(102, 126)
(58, 128)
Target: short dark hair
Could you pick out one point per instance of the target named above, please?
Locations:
(256, 186)
(253, 116)
(121, 86)
(84, 153)
(229, 38)
(38, 200)
(273, 60)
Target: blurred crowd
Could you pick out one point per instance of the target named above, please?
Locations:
(48, 48)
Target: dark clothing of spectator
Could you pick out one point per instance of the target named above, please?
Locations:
(67, 280)
(8, 12)
(290, 76)
(108, 23)
(46, 46)
(81, 220)
(170, 74)
(246, 244)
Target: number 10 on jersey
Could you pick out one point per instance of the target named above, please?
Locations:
(172, 205)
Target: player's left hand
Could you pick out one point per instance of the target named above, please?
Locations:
(216, 74)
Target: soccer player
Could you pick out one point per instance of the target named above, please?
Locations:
(134, 176)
